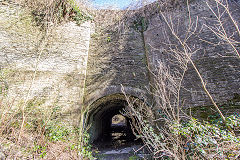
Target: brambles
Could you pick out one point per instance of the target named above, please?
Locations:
(44, 133)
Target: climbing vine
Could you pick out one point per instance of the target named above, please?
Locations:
(140, 24)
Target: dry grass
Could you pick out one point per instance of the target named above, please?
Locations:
(36, 141)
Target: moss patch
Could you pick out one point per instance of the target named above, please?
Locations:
(209, 112)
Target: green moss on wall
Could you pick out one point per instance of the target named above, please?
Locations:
(209, 112)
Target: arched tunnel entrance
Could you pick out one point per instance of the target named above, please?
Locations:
(109, 127)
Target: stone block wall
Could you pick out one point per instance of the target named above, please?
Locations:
(124, 58)
(77, 65)
(59, 62)
(214, 58)
(116, 59)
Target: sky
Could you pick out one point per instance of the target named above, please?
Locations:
(117, 4)
(121, 4)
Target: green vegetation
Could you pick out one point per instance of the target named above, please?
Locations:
(57, 11)
(44, 129)
(41, 150)
(206, 138)
(79, 16)
(140, 24)
(208, 113)
(134, 158)
(109, 39)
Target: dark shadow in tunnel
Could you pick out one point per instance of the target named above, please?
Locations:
(109, 128)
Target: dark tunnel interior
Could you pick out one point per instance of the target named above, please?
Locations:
(110, 128)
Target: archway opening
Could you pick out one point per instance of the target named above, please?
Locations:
(117, 133)
(109, 127)
(118, 121)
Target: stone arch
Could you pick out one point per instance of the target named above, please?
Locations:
(90, 99)
(101, 112)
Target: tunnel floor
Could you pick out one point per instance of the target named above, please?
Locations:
(119, 136)
(119, 143)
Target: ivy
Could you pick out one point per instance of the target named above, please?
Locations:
(140, 24)
(203, 136)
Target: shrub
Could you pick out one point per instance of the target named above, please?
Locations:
(210, 140)
(48, 12)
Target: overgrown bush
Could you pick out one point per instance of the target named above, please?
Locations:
(50, 12)
(212, 141)
(44, 133)
(189, 138)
